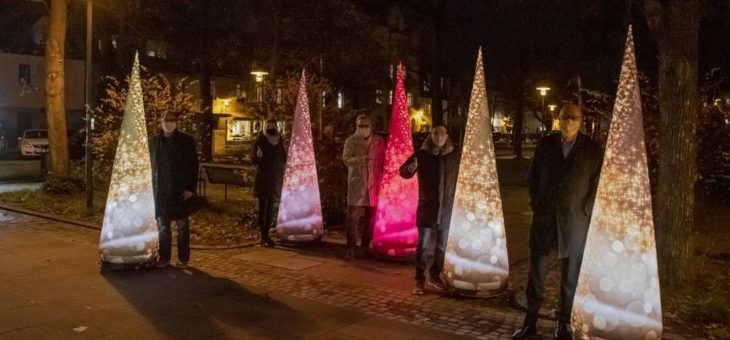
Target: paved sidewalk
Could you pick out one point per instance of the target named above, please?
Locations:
(52, 287)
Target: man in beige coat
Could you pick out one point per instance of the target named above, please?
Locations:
(364, 155)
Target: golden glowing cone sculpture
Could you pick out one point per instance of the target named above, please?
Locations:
(129, 231)
(476, 252)
(300, 211)
(618, 288)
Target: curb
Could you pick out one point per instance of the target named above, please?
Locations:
(88, 225)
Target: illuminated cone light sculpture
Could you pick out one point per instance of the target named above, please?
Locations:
(476, 252)
(395, 234)
(300, 211)
(129, 231)
(618, 288)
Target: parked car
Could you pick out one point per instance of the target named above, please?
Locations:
(33, 143)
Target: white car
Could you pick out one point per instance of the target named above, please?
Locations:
(33, 143)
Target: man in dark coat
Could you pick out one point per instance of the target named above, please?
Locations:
(269, 156)
(174, 178)
(562, 180)
(437, 167)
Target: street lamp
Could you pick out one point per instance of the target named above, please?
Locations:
(543, 92)
(552, 108)
(259, 74)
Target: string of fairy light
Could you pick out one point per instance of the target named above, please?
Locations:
(618, 288)
(476, 253)
(300, 210)
(395, 232)
(129, 229)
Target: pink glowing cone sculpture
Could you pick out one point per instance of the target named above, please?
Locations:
(618, 288)
(395, 233)
(300, 211)
(129, 231)
(476, 252)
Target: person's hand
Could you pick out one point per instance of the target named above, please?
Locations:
(187, 195)
(259, 153)
(412, 167)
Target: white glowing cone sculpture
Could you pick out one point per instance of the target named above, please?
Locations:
(129, 231)
(300, 211)
(476, 252)
(618, 288)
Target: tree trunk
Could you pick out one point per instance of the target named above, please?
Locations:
(206, 120)
(675, 25)
(518, 121)
(56, 91)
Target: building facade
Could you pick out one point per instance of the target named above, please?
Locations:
(23, 95)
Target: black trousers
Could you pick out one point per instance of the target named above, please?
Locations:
(266, 215)
(569, 270)
(164, 226)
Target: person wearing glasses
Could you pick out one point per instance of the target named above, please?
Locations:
(364, 156)
(562, 182)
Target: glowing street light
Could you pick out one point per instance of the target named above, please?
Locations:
(556, 122)
(259, 74)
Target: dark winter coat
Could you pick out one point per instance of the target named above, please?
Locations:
(174, 170)
(269, 167)
(437, 170)
(562, 191)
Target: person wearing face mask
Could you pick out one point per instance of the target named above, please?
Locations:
(364, 156)
(562, 180)
(269, 156)
(174, 161)
(437, 167)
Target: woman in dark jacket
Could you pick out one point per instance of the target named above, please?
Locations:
(437, 167)
(269, 156)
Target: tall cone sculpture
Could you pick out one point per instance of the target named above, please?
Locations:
(476, 252)
(129, 231)
(618, 287)
(395, 233)
(300, 211)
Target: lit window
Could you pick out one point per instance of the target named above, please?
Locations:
(340, 100)
(151, 53)
(409, 101)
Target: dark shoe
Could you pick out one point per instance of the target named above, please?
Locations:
(349, 254)
(162, 264)
(182, 264)
(267, 243)
(525, 332)
(562, 331)
(418, 289)
(435, 282)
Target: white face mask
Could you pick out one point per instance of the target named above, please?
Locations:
(569, 128)
(364, 132)
(169, 127)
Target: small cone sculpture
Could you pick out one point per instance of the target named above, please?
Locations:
(617, 296)
(300, 211)
(129, 231)
(476, 252)
(395, 234)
